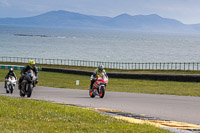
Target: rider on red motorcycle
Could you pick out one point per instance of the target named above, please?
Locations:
(98, 71)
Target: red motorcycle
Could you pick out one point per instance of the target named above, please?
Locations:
(99, 86)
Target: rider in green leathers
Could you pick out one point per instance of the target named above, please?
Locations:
(98, 71)
(32, 66)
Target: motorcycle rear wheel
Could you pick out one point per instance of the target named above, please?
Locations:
(91, 93)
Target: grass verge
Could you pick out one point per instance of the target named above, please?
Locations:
(108, 70)
(22, 115)
(61, 80)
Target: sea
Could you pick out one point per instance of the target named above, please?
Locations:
(98, 45)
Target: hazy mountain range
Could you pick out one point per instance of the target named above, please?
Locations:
(146, 23)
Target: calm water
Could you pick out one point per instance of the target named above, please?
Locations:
(98, 45)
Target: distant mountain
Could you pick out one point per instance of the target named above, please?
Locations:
(57, 19)
(147, 23)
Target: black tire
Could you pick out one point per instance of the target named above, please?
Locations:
(11, 89)
(102, 92)
(7, 89)
(91, 94)
(29, 92)
(21, 94)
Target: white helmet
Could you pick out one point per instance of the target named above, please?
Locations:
(100, 68)
(11, 69)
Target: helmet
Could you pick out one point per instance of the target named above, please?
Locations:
(31, 63)
(100, 68)
(11, 69)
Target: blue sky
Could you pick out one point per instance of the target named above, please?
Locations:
(186, 11)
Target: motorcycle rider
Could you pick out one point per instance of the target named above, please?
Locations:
(9, 74)
(98, 71)
(32, 66)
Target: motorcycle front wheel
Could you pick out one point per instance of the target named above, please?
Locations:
(102, 92)
(11, 89)
(29, 92)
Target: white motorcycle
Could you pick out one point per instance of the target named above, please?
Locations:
(10, 85)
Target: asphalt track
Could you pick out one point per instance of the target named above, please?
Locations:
(164, 107)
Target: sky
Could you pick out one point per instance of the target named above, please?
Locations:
(186, 11)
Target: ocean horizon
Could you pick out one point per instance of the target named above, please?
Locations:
(98, 45)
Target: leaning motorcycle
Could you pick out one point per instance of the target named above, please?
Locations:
(27, 84)
(99, 86)
(10, 84)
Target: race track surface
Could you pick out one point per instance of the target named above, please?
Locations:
(166, 107)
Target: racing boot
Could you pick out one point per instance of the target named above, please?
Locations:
(19, 86)
(34, 84)
(5, 85)
(91, 89)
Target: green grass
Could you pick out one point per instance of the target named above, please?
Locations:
(108, 70)
(22, 115)
(61, 80)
